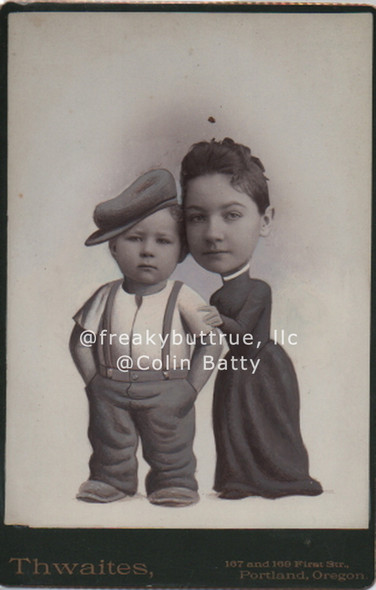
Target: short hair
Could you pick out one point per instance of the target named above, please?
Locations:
(176, 212)
(246, 172)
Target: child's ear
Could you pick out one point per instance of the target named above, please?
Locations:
(267, 221)
(112, 246)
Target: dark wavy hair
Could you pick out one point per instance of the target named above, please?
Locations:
(246, 172)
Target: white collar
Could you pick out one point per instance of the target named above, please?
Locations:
(236, 274)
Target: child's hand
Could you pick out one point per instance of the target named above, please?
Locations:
(212, 316)
(177, 397)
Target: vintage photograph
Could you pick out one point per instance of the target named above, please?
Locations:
(189, 238)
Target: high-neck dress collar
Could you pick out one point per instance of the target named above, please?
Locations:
(236, 274)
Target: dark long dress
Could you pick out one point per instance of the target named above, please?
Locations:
(259, 446)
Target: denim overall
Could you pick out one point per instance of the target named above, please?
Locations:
(156, 406)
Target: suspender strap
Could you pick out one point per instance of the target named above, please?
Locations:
(106, 321)
(167, 321)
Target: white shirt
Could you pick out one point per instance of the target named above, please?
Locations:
(137, 331)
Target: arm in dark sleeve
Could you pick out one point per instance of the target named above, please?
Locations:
(247, 318)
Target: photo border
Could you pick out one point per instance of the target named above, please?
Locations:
(188, 558)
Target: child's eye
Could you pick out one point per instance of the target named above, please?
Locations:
(134, 238)
(232, 215)
(164, 241)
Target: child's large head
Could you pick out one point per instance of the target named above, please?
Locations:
(144, 228)
(149, 251)
(226, 203)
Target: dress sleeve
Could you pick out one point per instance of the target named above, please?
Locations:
(188, 304)
(245, 321)
(90, 314)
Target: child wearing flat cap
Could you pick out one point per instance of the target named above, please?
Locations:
(138, 379)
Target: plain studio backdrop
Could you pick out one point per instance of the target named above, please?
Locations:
(96, 99)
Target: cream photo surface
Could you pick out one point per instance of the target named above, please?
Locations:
(97, 99)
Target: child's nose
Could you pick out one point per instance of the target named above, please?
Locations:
(147, 248)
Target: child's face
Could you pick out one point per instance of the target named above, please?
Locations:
(223, 225)
(148, 252)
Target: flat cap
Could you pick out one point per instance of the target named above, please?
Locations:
(151, 192)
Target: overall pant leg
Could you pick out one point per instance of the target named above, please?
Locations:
(112, 434)
(167, 432)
